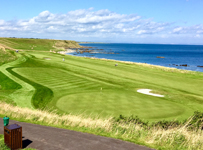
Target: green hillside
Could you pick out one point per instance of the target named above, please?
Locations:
(38, 44)
(39, 85)
(98, 88)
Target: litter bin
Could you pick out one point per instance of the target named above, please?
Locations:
(13, 136)
(6, 121)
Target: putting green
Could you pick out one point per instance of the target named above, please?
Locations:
(126, 103)
(103, 102)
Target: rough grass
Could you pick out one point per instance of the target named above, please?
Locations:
(180, 136)
(51, 118)
(6, 56)
(66, 44)
(38, 44)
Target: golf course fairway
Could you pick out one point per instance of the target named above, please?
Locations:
(97, 88)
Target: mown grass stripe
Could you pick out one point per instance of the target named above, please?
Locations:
(115, 87)
(42, 96)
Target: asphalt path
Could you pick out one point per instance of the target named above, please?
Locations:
(50, 138)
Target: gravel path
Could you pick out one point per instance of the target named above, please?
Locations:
(49, 138)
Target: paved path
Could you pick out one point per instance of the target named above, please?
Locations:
(49, 138)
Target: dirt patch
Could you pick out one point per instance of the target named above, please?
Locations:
(3, 48)
(46, 58)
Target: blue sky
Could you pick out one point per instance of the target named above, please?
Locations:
(133, 21)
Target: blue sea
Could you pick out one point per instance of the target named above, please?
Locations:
(190, 56)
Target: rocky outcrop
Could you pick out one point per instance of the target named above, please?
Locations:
(185, 65)
(160, 57)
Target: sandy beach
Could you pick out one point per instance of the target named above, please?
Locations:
(66, 51)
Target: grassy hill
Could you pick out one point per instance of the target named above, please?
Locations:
(98, 88)
(37, 78)
(38, 44)
(6, 56)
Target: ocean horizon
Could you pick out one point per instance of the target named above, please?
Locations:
(186, 57)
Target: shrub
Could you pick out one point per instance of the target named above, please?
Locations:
(131, 119)
(196, 122)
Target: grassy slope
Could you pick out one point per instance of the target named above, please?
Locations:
(96, 87)
(37, 44)
(7, 86)
(76, 85)
(77, 82)
(22, 96)
(6, 56)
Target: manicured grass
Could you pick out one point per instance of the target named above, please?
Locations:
(88, 89)
(42, 94)
(21, 96)
(7, 86)
(96, 87)
(110, 103)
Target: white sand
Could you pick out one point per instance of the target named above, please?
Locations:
(67, 51)
(147, 91)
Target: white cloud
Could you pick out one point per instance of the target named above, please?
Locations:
(198, 36)
(2, 22)
(141, 31)
(192, 30)
(199, 31)
(78, 21)
(87, 23)
(177, 30)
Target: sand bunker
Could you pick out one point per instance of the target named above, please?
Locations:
(147, 91)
